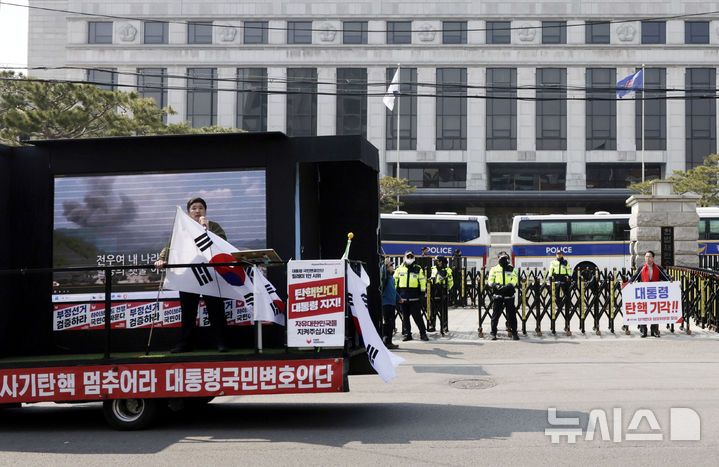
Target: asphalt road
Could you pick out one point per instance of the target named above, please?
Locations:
(457, 400)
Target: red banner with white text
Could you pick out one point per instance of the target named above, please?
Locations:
(170, 380)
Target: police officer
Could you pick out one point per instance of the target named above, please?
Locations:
(411, 284)
(442, 284)
(503, 280)
(560, 271)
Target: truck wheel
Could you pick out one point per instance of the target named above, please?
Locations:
(130, 414)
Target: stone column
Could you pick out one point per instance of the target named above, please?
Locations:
(664, 208)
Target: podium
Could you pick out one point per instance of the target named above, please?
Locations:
(257, 256)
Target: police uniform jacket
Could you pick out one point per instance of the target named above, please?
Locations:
(506, 279)
(560, 271)
(448, 280)
(410, 281)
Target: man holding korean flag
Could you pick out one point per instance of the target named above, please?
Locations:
(200, 242)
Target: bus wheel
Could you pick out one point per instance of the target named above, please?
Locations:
(130, 414)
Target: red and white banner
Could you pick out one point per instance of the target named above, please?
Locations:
(170, 380)
(132, 315)
(651, 303)
(316, 303)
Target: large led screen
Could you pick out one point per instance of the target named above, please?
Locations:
(127, 220)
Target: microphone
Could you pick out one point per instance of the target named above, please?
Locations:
(203, 222)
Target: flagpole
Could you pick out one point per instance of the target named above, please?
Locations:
(643, 129)
(398, 123)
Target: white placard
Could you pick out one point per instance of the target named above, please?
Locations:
(652, 303)
(315, 303)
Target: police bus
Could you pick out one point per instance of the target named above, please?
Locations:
(708, 236)
(441, 232)
(599, 240)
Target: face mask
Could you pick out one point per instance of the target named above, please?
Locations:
(409, 260)
(503, 261)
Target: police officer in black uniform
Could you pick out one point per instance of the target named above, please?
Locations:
(411, 284)
(503, 281)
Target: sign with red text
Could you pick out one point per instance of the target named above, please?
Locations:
(170, 380)
(315, 303)
(651, 303)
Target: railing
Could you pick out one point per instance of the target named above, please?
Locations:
(590, 301)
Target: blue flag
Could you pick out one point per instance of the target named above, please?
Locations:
(631, 83)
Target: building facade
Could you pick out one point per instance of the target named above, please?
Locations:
(506, 107)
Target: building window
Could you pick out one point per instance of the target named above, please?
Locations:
(99, 32)
(654, 32)
(499, 32)
(696, 32)
(433, 175)
(255, 32)
(454, 32)
(596, 32)
(252, 99)
(554, 32)
(352, 101)
(399, 32)
(105, 80)
(655, 106)
(607, 175)
(155, 32)
(501, 104)
(451, 108)
(299, 32)
(199, 32)
(301, 102)
(527, 177)
(354, 32)
(601, 109)
(201, 97)
(551, 109)
(407, 105)
(152, 83)
(700, 115)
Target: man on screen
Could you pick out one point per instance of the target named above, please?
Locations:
(650, 272)
(197, 209)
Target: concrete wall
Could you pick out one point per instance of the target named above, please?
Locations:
(664, 209)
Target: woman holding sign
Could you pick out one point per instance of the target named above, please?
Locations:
(650, 272)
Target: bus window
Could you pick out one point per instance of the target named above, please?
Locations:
(554, 231)
(713, 231)
(592, 231)
(468, 230)
(403, 229)
(621, 230)
(529, 230)
(444, 231)
(702, 229)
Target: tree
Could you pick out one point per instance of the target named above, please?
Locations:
(701, 180)
(32, 109)
(389, 189)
